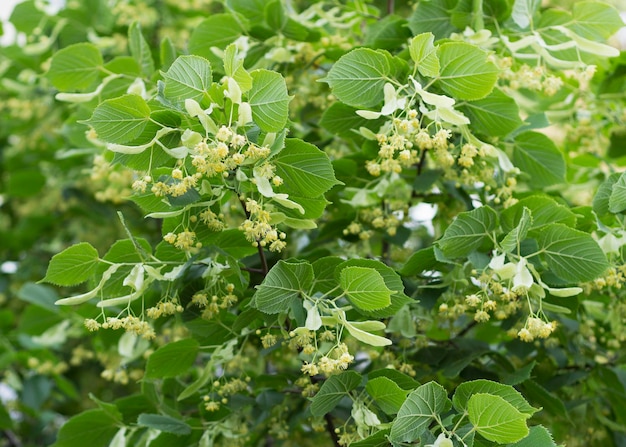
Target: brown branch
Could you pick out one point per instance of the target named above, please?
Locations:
(390, 6)
(12, 438)
(330, 428)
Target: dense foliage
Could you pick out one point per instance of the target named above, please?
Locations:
(284, 223)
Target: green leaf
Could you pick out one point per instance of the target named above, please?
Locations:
(358, 77)
(595, 20)
(571, 254)
(365, 288)
(617, 199)
(378, 439)
(189, 77)
(94, 428)
(601, 200)
(218, 30)
(163, 423)
(341, 119)
(420, 261)
(424, 54)
(269, 100)
(538, 436)
(75, 67)
(332, 391)
(275, 15)
(468, 232)
(544, 210)
(172, 359)
(536, 155)
(73, 265)
(305, 170)
(418, 411)
(120, 120)
(140, 50)
(387, 394)
(388, 34)
(465, 390)
(495, 419)
(495, 115)
(392, 281)
(465, 72)
(282, 286)
(433, 16)
(514, 238)
(523, 12)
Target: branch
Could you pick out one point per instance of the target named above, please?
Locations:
(330, 428)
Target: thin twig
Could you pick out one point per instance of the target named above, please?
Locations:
(13, 439)
(390, 6)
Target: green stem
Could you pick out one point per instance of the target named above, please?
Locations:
(477, 12)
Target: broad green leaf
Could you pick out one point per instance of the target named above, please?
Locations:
(73, 265)
(94, 428)
(387, 394)
(617, 199)
(392, 281)
(468, 232)
(418, 411)
(544, 210)
(269, 100)
(378, 439)
(495, 115)
(305, 170)
(595, 20)
(433, 16)
(341, 119)
(163, 423)
(404, 381)
(120, 120)
(282, 286)
(507, 392)
(538, 436)
(523, 12)
(218, 30)
(275, 15)
(75, 67)
(358, 77)
(365, 288)
(601, 201)
(571, 254)
(140, 50)
(254, 10)
(172, 359)
(388, 34)
(551, 404)
(513, 239)
(424, 54)
(465, 71)
(332, 391)
(536, 155)
(495, 419)
(189, 77)
(420, 261)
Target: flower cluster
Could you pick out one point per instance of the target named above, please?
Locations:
(164, 308)
(337, 359)
(213, 305)
(531, 78)
(129, 323)
(111, 182)
(185, 240)
(258, 230)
